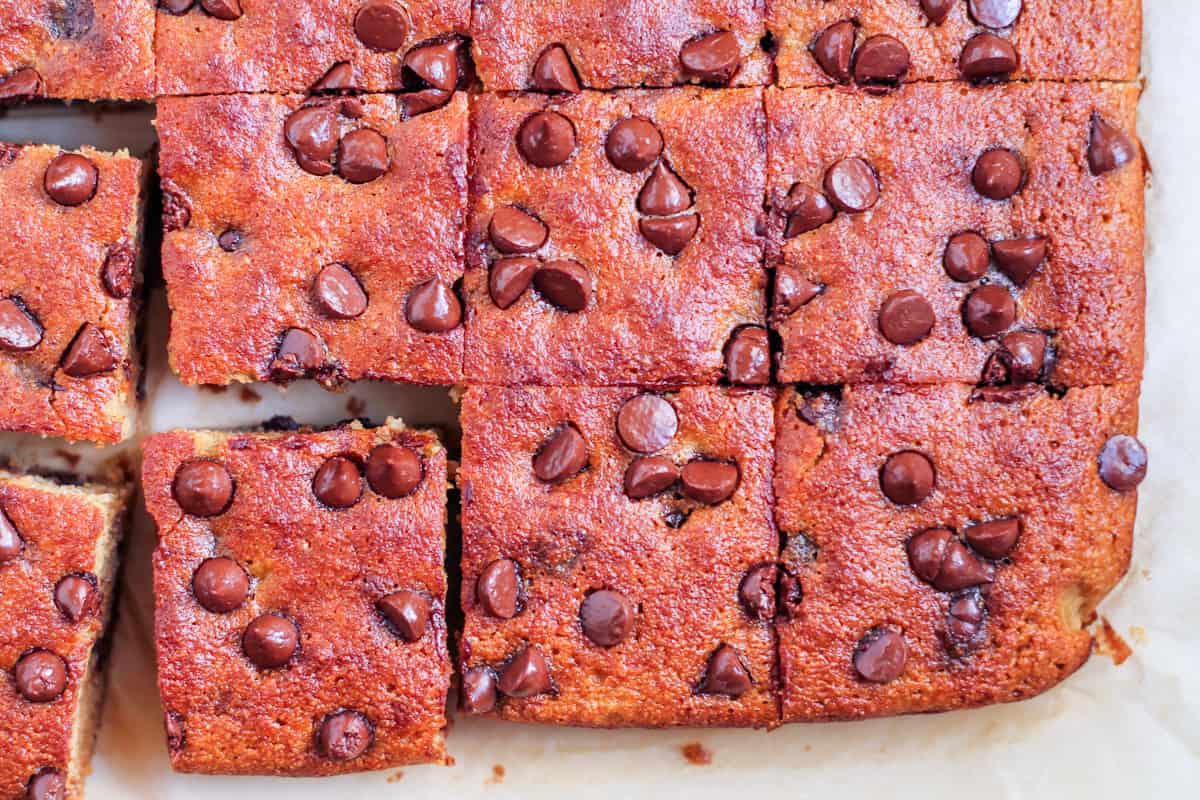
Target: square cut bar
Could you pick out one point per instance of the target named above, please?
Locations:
(76, 50)
(300, 598)
(1049, 285)
(640, 274)
(70, 276)
(822, 42)
(950, 548)
(561, 45)
(341, 270)
(334, 45)
(58, 563)
(587, 607)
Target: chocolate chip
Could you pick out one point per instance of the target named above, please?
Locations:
(792, 290)
(674, 518)
(562, 456)
(41, 676)
(709, 482)
(646, 423)
(117, 273)
(633, 144)
(807, 210)
(1005, 394)
(788, 595)
(10, 540)
(88, 354)
(565, 284)
(880, 654)
(726, 674)
(498, 588)
(312, 133)
(713, 58)
(907, 477)
(1123, 463)
(554, 72)
(478, 690)
(851, 185)
(436, 65)
(416, 103)
(393, 471)
(338, 482)
(509, 278)
(512, 230)
(300, 353)
(270, 640)
(757, 591)
(222, 9)
(606, 617)
(1109, 147)
(936, 10)
(833, 49)
(19, 329)
(46, 784)
(76, 596)
(995, 13)
(989, 311)
(176, 7)
(997, 174)
(748, 357)
(987, 57)
(362, 156)
(220, 585)
(1019, 258)
(994, 539)
(338, 78)
(527, 674)
(71, 179)
(670, 234)
(202, 488)
(408, 613)
(905, 317)
(344, 736)
(337, 293)
(649, 475)
(176, 730)
(939, 558)
(880, 61)
(21, 85)
(966, 257)
(1026, 351)
(664, 193)
(964, 621)
(546, 139)
(176, 208)
(433, 307)
(381, 25)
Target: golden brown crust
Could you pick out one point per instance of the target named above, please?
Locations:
(1036, 459)
(586, 534)
(323, 568)
(611, 45)
(227, 158)
(923, 142)
(52, 258)
(654, 319)
(287, 47)
(83, 50)
(66, 531)
(1063, 40)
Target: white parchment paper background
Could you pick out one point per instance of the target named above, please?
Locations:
(1109, 731)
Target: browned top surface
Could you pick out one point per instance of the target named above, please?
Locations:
(51, 257)
(84, 50)
(228, 158)
(287, 47)
(923, 141)
(654, 319)
(1036, 459)
(612, 43)
(587, 534)
(1054, 39)
(61, 530)
(322, 568)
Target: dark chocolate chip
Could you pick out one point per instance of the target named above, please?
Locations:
(202, 488)
(176, 730)
(664, 193)
(994, 539)
(606, 617)
(338, 482)
(905, 317)
(512, 230)
(937, 10)
(562, 456)
(498, 588)
(227, 10)
(757, 591)
(270, 640)
(19, 329)
(880, 654)
(1005, 394)
(220, 585)
(939, 558)
(1026, 355)
(478, 690)
(907, 477)
(527, 674)
(554, 72)
(646, 423)
(299, 353)
(726, 674)
(851, 185)
(1019, 258)
(565, 284)
(381, 25)
(509, 278)
(21, 85)
(117, 273)
(41, 676)
(344, 736)
(546, 139)
(363, 156)
(713, 58)
(964, 621)
(1109, 147)
(807, 210)
(88, 354)
(337, 293)
(408, 613)
(989, 311)
(670, 234)
(176, 207)
(748, 357)
(633, 144)
(833, 49)
(1123, 463)
(46, 784)
(966, 257)
(393, 470)
(987, 57)
(433, 307)
(881, 60)
(436, 65)
(649, 475)
(71, 179)
(76, 596)
(176, 7)
(998, 174)
(312, 133)
(416, 103)
(792, 290)
(995, 13)
(10, 539)
(709, 482)
(338, 78)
